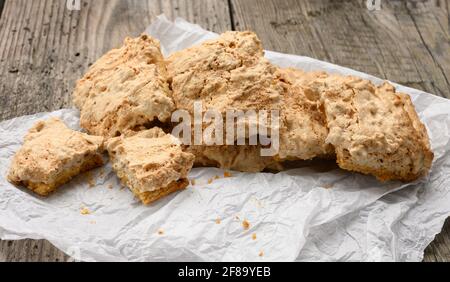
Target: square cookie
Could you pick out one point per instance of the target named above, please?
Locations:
(52, 154)
(151, 163)
(374, 129)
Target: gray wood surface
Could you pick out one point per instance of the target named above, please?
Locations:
(44, 48)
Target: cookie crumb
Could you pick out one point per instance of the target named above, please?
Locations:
(160, 232)
(216, 177)
(261, 254)
(218, 221)
(227, 174)
(110, 186)
(246, 224)
(85, 211)
(210, 181)
(193, 182)
(254, 236)
(327, 186)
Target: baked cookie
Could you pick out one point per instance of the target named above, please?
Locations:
(374, 129)
(303, 130)
(231, 73)
(226, 73)
(127, 89)
(150, 163)
(52, 154)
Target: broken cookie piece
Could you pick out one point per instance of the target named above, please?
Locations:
(303, 131)
(374, 129)
(52, 154)
(228, 73)
(231, 73)
(127, 89)
(151, 163)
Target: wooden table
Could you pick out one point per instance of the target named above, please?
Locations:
(45, 47)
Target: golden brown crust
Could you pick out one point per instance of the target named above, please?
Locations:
(150, 197)
(374, 129)
(44, 189)
(52, 154)
(125, 90)
(149, 162)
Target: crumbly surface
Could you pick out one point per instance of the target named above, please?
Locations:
(231, 73)
(374, 129)
(226, 73)
(149, 163)
(303, 130)
(125, 90)
(52, 154)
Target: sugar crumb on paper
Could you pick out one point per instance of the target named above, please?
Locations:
(211, 180)
(85, 211)
(246, 224)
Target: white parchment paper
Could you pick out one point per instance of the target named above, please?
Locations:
(304, 214)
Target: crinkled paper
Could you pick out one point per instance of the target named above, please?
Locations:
(306, 214)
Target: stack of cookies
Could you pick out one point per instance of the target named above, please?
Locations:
(128, 96)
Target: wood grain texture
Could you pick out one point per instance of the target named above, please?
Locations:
(406, 41)
(30, 251)
(2, 3)
(45, 48)
(439, 249)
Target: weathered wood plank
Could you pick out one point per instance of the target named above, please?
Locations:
(2, 3)
(45, 47)
(439, 249)
(30, 251)
(406, 41)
